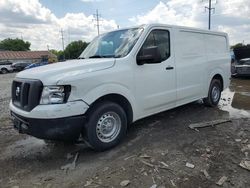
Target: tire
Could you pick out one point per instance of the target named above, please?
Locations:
(214, 93)
(4, 71)
(106, 126)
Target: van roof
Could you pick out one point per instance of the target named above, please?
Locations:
(185, 28)
(179, 27)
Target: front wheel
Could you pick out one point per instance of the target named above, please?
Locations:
(106, 126)
(214, 93)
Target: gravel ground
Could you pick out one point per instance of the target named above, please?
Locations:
(159, 151)
(5, 89)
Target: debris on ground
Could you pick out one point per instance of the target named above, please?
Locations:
(189, 165)
(206, 174)
(154, 186)
(147, 163)
(238, 140)
(16, 186)
(105, 169)
(245, 141)
(172, 182)
(70, 166)
(69, 156)
(164, 164)
(132, 156)
(125, 183)
(246, 154)
(49, 178)
(88, 183)
(245, 164)
(222, 180)
(145, 156)
(245, 148)
(208, 123)
(208, 150)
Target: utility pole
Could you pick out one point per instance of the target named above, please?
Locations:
(62, 43)
(21, 35)
(210, 9)
(97, 19)
(68, 36)
(62, 39)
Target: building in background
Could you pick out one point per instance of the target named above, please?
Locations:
(27, 56)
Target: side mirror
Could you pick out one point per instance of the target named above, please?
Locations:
(149, 55)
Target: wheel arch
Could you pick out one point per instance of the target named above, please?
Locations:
(118, 99)
(220, 78)
(216, 74)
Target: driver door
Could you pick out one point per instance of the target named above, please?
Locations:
(156, 82)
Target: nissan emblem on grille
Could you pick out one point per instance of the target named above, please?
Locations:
(17, 91)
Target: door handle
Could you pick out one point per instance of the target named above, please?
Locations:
(169, 68)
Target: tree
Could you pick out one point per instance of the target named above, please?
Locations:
(59, 54)
(237, 45)
(74, 49)
(14, 45)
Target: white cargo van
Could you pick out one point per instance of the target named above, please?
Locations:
(122, 76)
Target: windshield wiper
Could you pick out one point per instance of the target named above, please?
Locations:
(96, 56)
(101, 56)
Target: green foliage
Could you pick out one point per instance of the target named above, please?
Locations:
(237, 45)
(15, 45)
(74, 49)
(59, 54)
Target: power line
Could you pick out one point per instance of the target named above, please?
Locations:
(97, 19)
(210, 9)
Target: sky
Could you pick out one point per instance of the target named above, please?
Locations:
(41, 21)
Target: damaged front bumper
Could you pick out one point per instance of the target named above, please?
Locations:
(61, 129)
(62, 122)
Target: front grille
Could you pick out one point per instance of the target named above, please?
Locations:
(26, 93)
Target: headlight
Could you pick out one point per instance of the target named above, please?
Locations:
(55, 94)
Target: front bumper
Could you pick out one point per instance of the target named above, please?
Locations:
(61, 129)
(52, 122)
(53, 111)
(242, 70)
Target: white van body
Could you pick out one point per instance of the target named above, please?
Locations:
(195, 58)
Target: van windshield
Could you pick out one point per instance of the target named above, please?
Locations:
(115, 44)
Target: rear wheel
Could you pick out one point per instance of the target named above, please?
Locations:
(106, 126)
(4, 71)
(214, 93)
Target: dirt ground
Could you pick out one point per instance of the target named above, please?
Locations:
(154, 154)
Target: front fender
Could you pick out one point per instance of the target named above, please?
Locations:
(112, 88)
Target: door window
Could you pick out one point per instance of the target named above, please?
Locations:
(161, 39)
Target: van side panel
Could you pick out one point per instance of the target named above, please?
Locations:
(190, 63)
(218, 58)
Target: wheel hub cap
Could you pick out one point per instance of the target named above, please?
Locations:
(215, 94)
(108, 127)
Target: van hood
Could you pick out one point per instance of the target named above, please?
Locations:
(62, 70)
